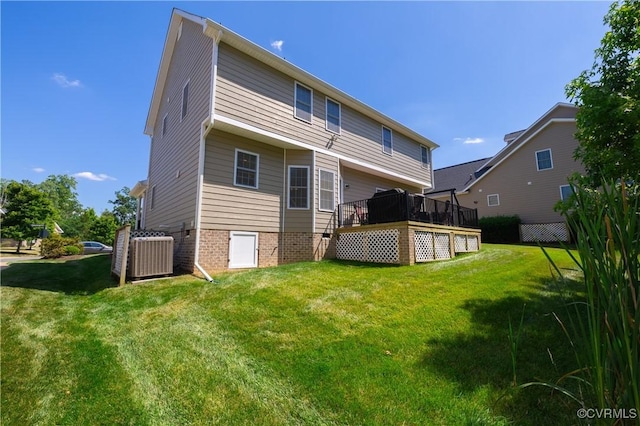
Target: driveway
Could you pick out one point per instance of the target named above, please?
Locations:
(5, 261)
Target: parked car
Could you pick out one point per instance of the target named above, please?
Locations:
(92, 247)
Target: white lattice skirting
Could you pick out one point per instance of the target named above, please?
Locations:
(378, 246)
(431, 246)
(544, 232)
(466, 243)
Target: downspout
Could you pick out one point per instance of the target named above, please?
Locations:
(205, 128)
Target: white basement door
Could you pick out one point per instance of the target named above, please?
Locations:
(243, 249)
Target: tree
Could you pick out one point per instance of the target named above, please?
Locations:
(61, 191)
(608, 96)
(25, 206)
(124, 207)
(103, 229)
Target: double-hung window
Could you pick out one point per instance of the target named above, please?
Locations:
(246, 169)
(544, 160)
(185, 100)
(326, 190)
(387, 141)
(425, 156)
(493, 200)
(298, 187)
(303, 103)
(333, 116)
(565, 192)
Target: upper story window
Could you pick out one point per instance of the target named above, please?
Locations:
(493, 200)
(544, 160)
(185, 100)
(387, 141)
(298, 187)
(246, 169)
(333, 116)
(303, 103)
(425, 156)
(565, 192)
(326, 190)
(152, 203)
(164, 125)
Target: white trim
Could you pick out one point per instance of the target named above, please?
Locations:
(214, 79)
(548, 123)
(311, 191)
(205, 128)
(538, 161)
(289, 187)
(333, 191)
(297, 144)
(295, 102)
(497, 199)
(184, 109)
(235, 168)
(326, 115)
(390, 140)
(378, 189)
(179, 31)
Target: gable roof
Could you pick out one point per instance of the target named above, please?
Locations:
(220, 33)
(458, 176)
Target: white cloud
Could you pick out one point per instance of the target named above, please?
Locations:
(95, 177)
(38, 169)
(63, 81)
(277, 45)
(469, 140)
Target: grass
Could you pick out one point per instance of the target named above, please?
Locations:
(309, 343)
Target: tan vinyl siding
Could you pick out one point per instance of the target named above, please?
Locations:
(326, 221)
(362, 186)
(523, 190)
(299, 220)
(257, 95)
(226, 206)
(173, 164)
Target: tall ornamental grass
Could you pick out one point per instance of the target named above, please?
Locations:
(605, 329)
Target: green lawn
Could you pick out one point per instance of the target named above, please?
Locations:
(308, 343)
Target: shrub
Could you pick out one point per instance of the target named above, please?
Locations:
(500, 229)
(56, 246)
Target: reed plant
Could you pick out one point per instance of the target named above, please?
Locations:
(604, 330)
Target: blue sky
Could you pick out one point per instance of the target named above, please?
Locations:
(77, 77)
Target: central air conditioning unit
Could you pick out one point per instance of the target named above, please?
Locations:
(150, 256)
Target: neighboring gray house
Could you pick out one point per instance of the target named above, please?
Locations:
(250, 155)
(526, 178)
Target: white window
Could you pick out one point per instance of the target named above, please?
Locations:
(246, 169)
(164, 125)
(185, 99)
(153, 197)
(544, 160)
(425, 156)
(565, 192)
(387, 140)
(303, 103)
(298, 187)
(326, 190)
(493, 200)
(333, 116)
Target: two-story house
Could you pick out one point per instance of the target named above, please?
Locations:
(250, 155)
(526, 178)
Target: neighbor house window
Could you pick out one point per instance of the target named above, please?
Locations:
(303, 103)
(387, 140)
(326, 190)
(246, 169)
(298, 187)
(185, 99)
(425, 156)
(543, 160)
(333, 116)
(164, 125)
(493, 200)
(565, 192)
(153, 197)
